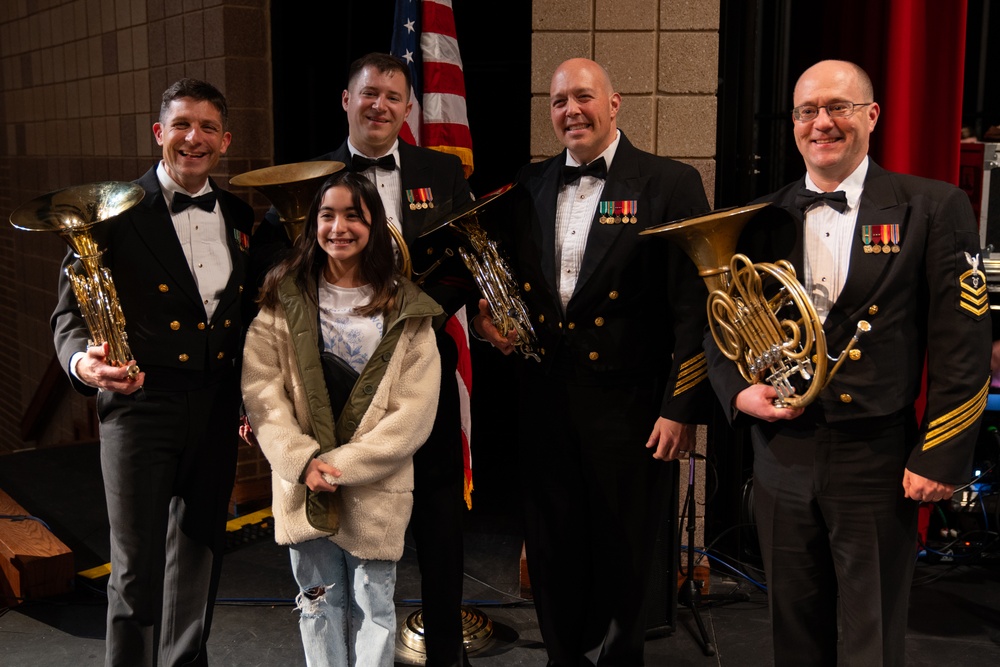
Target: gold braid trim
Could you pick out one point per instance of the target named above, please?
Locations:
(692, 371)
(956, 421)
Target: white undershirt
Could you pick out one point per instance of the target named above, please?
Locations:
(202, 235)
(828, 236)
(350, 336)
(388, 182)
(576, 205)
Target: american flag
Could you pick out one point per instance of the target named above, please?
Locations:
(424, 36)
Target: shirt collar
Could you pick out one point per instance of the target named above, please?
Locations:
(852, 186)
(608, 154)
(393, 151)
(170, 187)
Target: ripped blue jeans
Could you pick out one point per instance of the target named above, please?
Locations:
(347, 616)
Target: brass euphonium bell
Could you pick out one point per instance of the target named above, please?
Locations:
(291, 187)
(744, 322)
(492, 274)
(71, 213)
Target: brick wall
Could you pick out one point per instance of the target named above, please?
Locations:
(80, 86)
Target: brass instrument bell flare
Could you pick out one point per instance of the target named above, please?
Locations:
(290, 188)
(477, 635)
(71, 213)
(789, 353)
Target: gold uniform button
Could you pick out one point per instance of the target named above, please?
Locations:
(430, 251)
(599, 321)
(854, 354)
(560, 325)
(201, 326)
(872, 309)
(220, 355)
(164, 288)
(845, 398)
(613, 294)
(541, 318)
(593, 356)
(571, 325)
(542, 351)
(241, 289)
(227, 323)
(527, 287)
(175, 325)
(183, 357)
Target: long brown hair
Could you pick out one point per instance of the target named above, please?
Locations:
(306, 261)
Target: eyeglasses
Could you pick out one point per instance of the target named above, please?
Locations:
(809, 112)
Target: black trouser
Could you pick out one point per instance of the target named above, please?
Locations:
(833, 523)
(592, 501)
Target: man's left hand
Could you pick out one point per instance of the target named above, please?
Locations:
(671, 439)
(925, 490)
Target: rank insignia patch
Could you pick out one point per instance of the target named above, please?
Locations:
(974, 297)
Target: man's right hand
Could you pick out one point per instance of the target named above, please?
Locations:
(757, 400)
(483, 324)
(94, 370)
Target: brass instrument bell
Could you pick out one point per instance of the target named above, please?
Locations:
(71, 212)
(744, 322)
(291, 187)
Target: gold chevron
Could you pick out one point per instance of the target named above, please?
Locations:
(951, 424)
(692, 371)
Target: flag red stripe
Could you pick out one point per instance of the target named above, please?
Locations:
(447, 134)
(443, 78)
(438, 18)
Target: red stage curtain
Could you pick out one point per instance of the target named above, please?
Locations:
(921, 95)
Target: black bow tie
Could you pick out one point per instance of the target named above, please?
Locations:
(360, 162)
(205, 202)
(836, 200)
(598, 169)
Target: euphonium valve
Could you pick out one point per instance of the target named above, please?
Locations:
(71, 213)
(775, 338)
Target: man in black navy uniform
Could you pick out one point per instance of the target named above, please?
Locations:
(418, 186)
(837, 485)
(619, 319)
(168, 436)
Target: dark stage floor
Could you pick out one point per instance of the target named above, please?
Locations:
(954, 609)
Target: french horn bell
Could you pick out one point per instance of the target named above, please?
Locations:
(751, 328)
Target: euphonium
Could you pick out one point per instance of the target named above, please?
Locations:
(493, 276)
(745, 322)
(71, 213)
(291, 187)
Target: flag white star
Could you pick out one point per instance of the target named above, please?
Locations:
(409, 25)
(408, 56)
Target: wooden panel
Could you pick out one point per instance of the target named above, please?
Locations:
(34, 563)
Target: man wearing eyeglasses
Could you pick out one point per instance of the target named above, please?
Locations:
(837, 484)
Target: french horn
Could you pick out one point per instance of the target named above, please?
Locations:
(786, 348)
(291, 187)
(71, 213)
(493, 276)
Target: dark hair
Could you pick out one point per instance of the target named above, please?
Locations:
(196, 90)
(306, 261)
(383, 63)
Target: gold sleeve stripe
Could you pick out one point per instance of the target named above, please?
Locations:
(948, 426)
(696, 359)
(693, 371)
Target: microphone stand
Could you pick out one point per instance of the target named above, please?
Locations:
(690, 593)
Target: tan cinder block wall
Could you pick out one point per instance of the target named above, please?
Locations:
(80, 87)
(662, 56)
